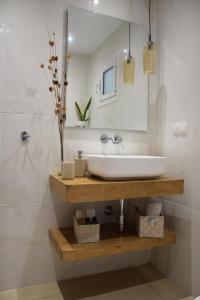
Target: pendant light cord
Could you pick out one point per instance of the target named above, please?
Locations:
(150, 21)
(129, 39)
(129, 44)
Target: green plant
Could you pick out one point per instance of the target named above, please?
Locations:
(82, 114)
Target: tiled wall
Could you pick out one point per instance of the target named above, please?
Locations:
(178, 101)
(27, 208)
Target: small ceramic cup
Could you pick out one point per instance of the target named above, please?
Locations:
(68, 170)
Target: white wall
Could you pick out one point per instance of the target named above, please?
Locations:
(27, 208)
(115, 8)
(78, 86)
(178, 101)
(132, 10)
(129, 109)
(139, 11)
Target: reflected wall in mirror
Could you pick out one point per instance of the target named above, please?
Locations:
(98, 46)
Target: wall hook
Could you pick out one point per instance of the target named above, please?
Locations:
(25, 136)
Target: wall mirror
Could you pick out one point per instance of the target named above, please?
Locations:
(98, 46)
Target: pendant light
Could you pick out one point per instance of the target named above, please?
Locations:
(149, 53)
(129, 64)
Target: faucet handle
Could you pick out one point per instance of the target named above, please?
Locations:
(117, 139)
(104, 139)
(25, 136)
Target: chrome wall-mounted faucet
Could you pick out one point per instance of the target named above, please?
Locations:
(117, 139)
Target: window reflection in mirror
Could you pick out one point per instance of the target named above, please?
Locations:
(108, 81)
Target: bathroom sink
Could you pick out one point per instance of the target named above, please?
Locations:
(126, 167)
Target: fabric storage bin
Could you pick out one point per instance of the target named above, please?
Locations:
(149, 226)
(86, 233)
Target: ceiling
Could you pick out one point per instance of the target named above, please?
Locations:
(88, 30)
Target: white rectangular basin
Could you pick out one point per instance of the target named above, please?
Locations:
(126, 166)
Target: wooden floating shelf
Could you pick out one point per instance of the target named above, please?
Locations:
(111, 243)
(90, 189)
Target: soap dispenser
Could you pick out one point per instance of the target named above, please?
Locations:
(80, 165)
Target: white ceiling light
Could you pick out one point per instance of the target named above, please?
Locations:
(94, 4)
(70, 38)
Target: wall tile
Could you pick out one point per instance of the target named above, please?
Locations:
(3, 10)
(25, 13)
(114, 8)
(175, 260)
(183, 160)
(24, 247)
(2, 52)
(139, 11)
(22, 12)
(95, 147)
(182, 94)
(27, 165)
(25, 86)
(178, 100)
(48, 13)
(88, 141)
(195, 250)
(0, 137)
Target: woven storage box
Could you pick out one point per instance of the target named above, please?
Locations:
(147, 226)
(86, 233)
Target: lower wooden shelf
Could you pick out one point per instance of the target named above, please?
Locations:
(111, 243)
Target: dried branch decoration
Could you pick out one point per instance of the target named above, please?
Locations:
(57, 87)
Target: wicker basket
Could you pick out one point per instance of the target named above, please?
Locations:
(147, 226)
(86, 233)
